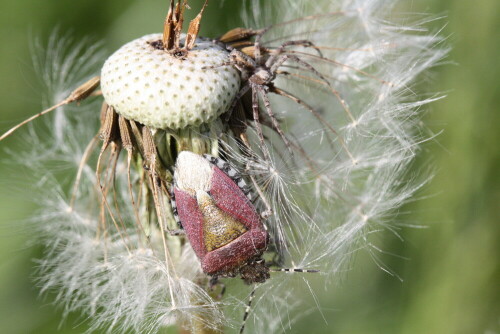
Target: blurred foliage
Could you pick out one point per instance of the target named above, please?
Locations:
(449, 271)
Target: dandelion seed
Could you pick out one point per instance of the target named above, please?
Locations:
(312, 117)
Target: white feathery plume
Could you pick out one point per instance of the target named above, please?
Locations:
(348, 175)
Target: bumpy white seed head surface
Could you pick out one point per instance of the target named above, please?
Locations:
(160, 90)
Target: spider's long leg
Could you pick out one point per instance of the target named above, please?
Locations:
(258, 126)
(237, 98)
(282, 59)
(279, 50)
(260, 34)
(250, 153)
(335, 92)
(274, 121)
(315, 114)
(295, 99)
(357, 70)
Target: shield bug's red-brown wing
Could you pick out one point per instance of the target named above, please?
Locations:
(229, 197)
(236, 253)
(191, 219)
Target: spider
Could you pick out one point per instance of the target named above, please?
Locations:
(259, 67)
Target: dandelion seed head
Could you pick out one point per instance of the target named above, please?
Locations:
(352, 124)
(163, 90)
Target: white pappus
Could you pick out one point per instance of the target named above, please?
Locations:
(323, 127)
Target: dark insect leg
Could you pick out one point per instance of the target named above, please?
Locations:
(214, 283)
(247, 309)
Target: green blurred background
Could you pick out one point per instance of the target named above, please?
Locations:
(450, 270)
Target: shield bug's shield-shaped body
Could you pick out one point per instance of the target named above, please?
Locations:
(211, 203)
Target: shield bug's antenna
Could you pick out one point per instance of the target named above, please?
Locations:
(77, 95)
(294, 270)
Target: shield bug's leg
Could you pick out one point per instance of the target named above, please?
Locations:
(214, 283)
(173, 204)
(247, 309)
(77, 95)
(177, 232)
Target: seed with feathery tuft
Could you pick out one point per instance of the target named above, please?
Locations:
(163, 90)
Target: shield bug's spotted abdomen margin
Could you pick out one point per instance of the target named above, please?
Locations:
(212, 204)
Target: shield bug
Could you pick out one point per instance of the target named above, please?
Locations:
(212, 203)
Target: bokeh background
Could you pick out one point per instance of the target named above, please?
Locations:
(450, 272)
